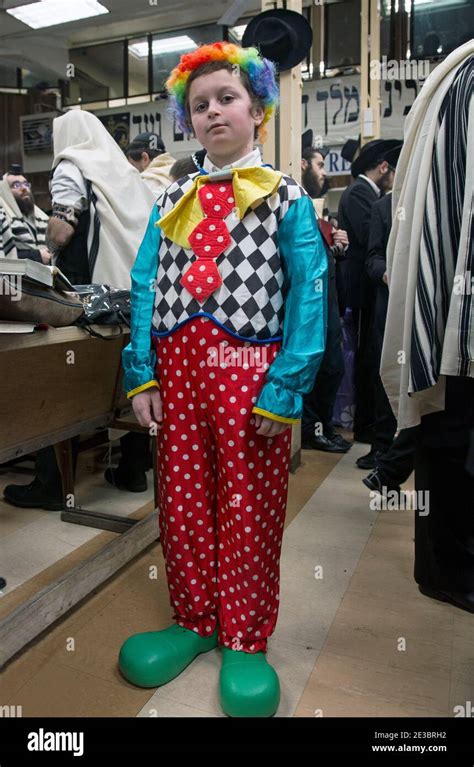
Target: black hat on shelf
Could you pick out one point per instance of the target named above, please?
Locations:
(282, 36)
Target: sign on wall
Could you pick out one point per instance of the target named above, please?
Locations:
(332, 107)
(118, 125)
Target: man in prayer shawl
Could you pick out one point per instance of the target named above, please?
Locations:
(26, 221)
(428, 354)
(100, 204)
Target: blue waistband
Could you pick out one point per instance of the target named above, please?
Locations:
(219, 324)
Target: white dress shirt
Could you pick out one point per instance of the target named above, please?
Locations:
(68, 186)
(250, 160)
(372, 184)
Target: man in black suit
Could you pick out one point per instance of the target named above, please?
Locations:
(395, 456)
(317, 432)
(373, 177)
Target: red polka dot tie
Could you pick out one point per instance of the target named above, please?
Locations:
(209, 239)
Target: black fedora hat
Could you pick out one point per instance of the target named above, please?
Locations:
(392, 156)
(284, 37)
(307, 139)
(371, 152)
(350, 148)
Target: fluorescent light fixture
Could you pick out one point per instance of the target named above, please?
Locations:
(48, 13)
(167, 45)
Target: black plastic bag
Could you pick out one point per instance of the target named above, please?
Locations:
(103, 305)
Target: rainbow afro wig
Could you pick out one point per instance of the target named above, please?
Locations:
(260, 72)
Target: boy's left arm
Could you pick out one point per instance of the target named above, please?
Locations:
(293, 372)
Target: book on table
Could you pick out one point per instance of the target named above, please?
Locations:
(17, 327)
(45, 274)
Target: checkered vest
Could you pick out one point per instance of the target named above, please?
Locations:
(249, 303)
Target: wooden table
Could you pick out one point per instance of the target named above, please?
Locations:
(57, 383)
(54, 385)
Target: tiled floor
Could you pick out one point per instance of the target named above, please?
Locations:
(354, 636)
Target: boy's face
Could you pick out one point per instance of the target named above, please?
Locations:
(222, 115)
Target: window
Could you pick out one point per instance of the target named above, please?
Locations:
(440, 26)
(236, 33)
(31, 78)
(138, 66)
(342, 34)
(387, 27)
(8, 76)
(98, 73)
(168, 47)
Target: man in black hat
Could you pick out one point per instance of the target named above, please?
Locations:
(394, 455)
(317, 431)
(147, 153)
(373, 178)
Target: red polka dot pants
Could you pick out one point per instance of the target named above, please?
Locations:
(223, 488)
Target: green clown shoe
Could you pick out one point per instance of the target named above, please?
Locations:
(156, 657)
(249, 686)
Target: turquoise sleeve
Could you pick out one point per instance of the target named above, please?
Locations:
(138, 358)
(305, 264)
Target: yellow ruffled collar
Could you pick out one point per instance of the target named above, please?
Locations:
(249, 185)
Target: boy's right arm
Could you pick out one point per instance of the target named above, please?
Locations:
(138, 358)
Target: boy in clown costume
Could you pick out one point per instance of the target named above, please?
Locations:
(230, 280)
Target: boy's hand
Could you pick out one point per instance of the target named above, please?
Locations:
(147, 408)
(266, 427)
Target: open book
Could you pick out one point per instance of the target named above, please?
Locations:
(17, 327)
(32, 270)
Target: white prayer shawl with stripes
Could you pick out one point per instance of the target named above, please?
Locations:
(122, 199)
(7, 243)
(429, 332)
